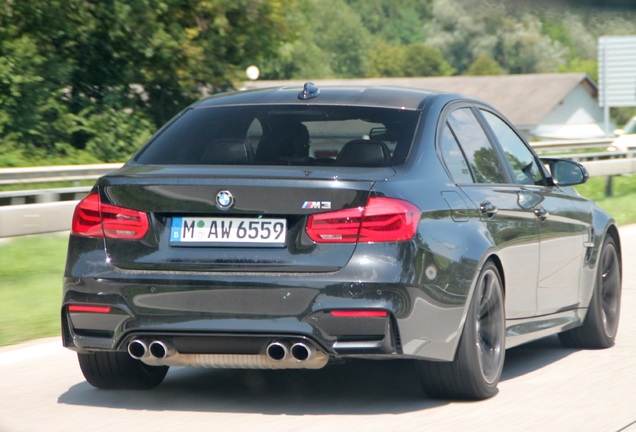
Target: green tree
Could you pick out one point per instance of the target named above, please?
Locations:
(331, 42)
(339, 32)
(467, 29)
(424, 60)
(396, 22)
(386, 60)
(464, 30)
(523, 48)
(590, 67)
(484, 65)
(81, 72)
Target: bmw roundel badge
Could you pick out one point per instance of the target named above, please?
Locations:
(224, 200)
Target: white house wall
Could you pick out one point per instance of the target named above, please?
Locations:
(577, 116)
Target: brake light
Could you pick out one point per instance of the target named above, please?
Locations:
(359, 313)
(89, 309)
(381, 220)
(94, 219)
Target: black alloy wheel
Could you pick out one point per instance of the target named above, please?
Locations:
(476, 370)
(601, 322)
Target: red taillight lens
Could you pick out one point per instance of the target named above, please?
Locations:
(86, 219)
(94, 219)
(89, 309)
(341, 226)
(381, 220)
(359, 313)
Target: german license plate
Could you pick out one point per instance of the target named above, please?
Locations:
(218, 231)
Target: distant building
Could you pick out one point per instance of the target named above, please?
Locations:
(542, 106)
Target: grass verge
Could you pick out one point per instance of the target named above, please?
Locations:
(621, 205)
(31, 270)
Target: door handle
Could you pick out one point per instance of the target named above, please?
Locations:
(541, 213)
(488, 209)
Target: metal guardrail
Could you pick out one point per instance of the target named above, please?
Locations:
(564, 145)
(40, 211)
(26, 219)
(13, 176)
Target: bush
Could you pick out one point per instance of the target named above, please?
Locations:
(116, 134)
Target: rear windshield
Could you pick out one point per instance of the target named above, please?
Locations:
(281, 135)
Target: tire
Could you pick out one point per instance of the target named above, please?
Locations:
(601, 322)
(117, 370)
(476, 370)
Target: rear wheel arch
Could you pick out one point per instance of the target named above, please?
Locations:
(612, 232)
(497, 262)
(600, 325)
(476, 369)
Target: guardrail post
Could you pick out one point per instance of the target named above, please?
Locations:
(609, 186)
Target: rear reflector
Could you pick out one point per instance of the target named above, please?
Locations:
(359, 313)
(89, 309)
(94, 219)
(381, 220)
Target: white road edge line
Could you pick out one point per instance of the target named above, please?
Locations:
(33, 352)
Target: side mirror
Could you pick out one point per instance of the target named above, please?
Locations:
(566, 172)
(618, 132)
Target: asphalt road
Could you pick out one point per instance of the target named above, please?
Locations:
(545, 387)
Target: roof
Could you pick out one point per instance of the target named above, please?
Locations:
(525, 99)
(348, 94)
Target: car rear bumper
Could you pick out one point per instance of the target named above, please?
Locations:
(215, 317)
(419, 317)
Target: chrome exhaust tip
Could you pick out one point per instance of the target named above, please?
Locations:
(302, 352)
(137, 349)
(160, 350)
(277, 351)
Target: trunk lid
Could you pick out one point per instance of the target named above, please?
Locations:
(263, 200)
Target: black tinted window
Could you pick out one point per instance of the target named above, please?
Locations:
(281, 135)
(482, 158)
(523, 163)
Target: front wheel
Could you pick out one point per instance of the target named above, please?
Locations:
(476, 370)
(117, 370)
(601, 322)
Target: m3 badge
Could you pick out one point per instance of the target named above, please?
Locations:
(324, 205)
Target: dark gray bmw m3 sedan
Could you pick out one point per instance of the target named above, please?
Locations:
(291, 227)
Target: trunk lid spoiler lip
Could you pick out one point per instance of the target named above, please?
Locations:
(272, 172)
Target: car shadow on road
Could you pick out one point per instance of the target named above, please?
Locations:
(358, 387)
(533, 356)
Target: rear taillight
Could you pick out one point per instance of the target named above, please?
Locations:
(94, 219)
(359, 313)
(89, 309)
(381, 220)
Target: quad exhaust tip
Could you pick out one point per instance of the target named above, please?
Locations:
(302, 352)
(137, 349)
(277, 351)
(160, 350)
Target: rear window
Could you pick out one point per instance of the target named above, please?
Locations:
(280, 135)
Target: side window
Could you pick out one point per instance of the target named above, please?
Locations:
(454, 158)
(482, 158)
(523, 163)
